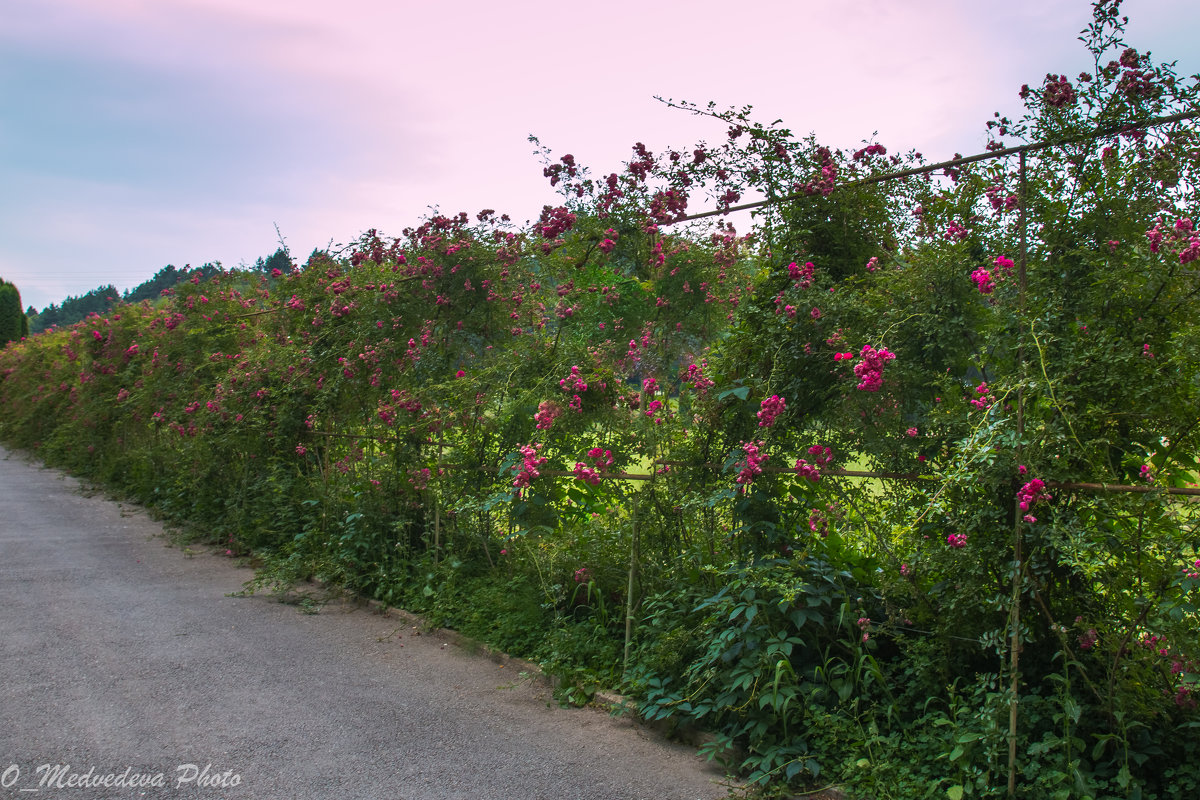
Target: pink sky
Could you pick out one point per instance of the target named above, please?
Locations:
(177, 131)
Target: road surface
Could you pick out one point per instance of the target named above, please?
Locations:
(128, 662)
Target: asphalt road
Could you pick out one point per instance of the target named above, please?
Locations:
(123, 659)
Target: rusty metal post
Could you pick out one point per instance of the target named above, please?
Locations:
(1018, 568)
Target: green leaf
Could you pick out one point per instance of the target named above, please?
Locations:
(741, 393)
(955, 792)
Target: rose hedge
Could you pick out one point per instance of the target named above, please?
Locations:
(610, 409)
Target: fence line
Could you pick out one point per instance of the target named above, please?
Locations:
(952, 163)
(837, 473)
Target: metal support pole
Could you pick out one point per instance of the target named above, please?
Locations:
(629, 595)
(1018, 568)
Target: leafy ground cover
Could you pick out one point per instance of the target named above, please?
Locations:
(632, 446)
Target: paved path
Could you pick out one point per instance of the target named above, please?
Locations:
(121, 656)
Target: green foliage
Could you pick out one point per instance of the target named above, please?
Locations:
(104, 299)
(163, 281)
(98, 301)
(779, 643)
(279, 260)
(12, 319)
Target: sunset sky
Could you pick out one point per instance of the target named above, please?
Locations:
(140, 133)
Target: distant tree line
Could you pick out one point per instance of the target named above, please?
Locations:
(102, 299)
(279, 260)
(99, 301)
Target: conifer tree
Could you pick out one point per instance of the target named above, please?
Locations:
(12, 319)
